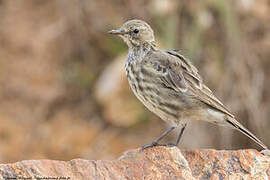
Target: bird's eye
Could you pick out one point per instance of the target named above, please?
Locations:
(136, 31)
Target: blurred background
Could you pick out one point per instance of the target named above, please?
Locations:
(63, 90)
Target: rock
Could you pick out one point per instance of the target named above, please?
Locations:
(153, 163)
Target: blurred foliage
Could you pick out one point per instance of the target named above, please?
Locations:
(63, 89)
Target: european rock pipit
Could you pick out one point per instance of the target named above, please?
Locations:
(169, 85)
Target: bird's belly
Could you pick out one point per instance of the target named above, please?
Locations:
(154, 107)
(149, 93)
(173, 107)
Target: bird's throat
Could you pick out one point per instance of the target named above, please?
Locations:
(137, 53)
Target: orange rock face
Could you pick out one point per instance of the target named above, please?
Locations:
(154, 163)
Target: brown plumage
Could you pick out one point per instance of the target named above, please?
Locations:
(169, 85)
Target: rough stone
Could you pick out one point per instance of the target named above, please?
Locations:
(153, 163)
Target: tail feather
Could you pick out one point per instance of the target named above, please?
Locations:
(245, 131)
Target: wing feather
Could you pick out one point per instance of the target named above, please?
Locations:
(182, 76)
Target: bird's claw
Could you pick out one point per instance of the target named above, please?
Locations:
(265, 152)
(168, 144)
(154, 143)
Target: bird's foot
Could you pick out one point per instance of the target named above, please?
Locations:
(265, 152)
(154, 143)
(168, 144)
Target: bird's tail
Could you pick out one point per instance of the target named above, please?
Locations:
(236, 125)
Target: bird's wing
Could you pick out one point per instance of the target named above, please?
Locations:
(182, 76)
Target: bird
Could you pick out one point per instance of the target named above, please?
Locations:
(169, 85)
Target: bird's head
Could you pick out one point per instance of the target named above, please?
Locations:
(135, 33)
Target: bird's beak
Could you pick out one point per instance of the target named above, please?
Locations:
(117, 32)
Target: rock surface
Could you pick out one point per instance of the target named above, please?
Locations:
(154, 163)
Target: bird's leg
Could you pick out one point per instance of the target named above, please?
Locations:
(180, 134)
(183, 126)
(155, 143)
